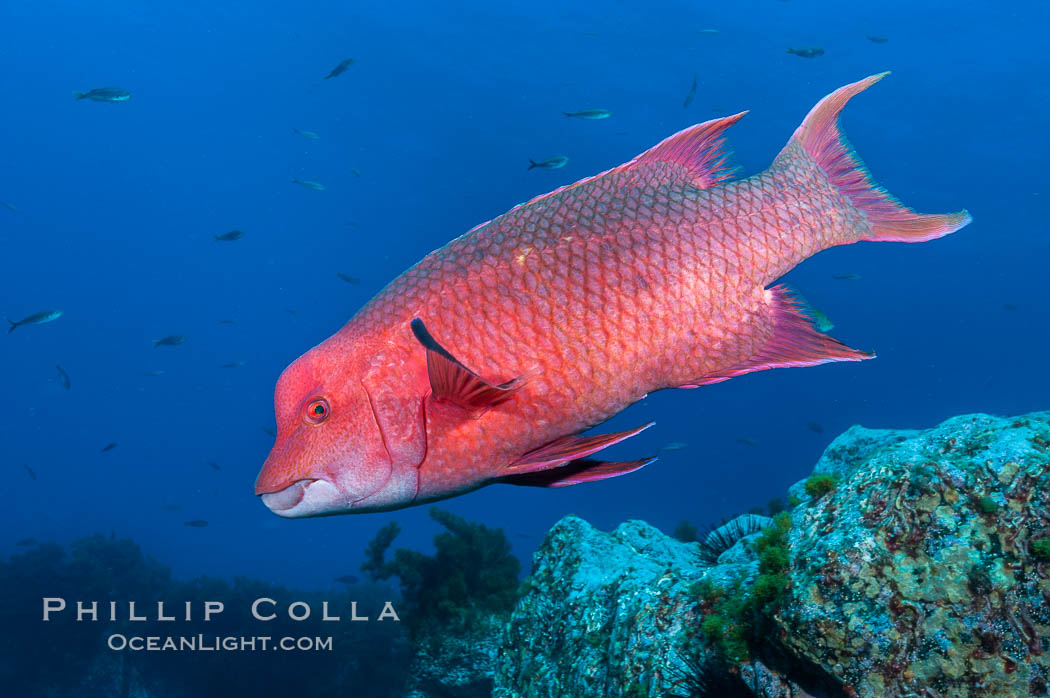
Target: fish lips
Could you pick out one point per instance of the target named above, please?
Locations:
(308, 497)
(288, 498)
(293, 494)
(311, 497)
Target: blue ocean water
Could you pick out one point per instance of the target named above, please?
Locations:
(428, 133)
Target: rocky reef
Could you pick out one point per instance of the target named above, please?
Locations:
(908, 564)
(911, 563)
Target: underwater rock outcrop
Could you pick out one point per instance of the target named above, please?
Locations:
(911, 563)
(922, 570)
(602, 612)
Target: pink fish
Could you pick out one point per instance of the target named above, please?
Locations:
(488, 360)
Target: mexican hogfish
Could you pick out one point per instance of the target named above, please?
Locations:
(487, 360)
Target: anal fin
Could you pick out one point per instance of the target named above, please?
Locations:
(575, 472)
(795, 342)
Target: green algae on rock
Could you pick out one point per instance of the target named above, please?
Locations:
(817, 486)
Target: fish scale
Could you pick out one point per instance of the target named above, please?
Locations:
(487, 360)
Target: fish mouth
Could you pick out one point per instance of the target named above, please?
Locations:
(287, 498)
(308, 497)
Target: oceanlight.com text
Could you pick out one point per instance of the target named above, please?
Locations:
(215, 643)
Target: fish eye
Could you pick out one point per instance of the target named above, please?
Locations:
(316, 411)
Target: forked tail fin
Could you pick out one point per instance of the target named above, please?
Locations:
(820, 137)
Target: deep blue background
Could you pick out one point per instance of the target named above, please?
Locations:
(117, 204)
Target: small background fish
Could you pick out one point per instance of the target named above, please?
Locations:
(172, 340)
(589, 114)
(41, 318)
(104, 94)
(230, 236)
(308, 184)
(63, 377)
(340, 68)
(691, 94)
(555, 163)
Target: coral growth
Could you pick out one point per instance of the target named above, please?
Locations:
(471, 575)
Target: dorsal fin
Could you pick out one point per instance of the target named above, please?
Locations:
(453, 382)
(699, 149)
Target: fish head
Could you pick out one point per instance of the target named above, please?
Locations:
(331, 454)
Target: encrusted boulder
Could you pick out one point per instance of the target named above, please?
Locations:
(602, 613)
(913, 563)
(921, 572)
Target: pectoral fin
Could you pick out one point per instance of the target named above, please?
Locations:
(453, 382)
(575, 472)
